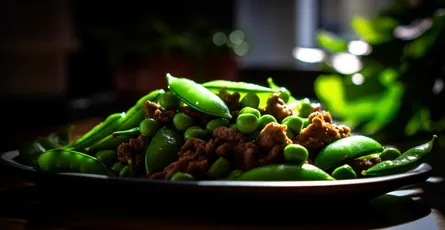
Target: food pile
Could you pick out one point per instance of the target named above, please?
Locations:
(221, 130)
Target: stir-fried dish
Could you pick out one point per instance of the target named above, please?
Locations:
(221, 130)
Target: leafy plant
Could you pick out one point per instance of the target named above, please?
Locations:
(398, 89)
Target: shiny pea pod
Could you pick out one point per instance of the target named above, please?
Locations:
(163, 149)
(113, 140)
(101, 130)
(237, 86)
(136, 114)
(345, 149)
(65, 160)
(405, 162)
(198, 97)
(219, 169)
(283, 172)
(180, 176)
(344, 172)
(389, 154)
(107, 157)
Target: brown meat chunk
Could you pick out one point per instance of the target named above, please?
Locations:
(320, 132)
(150, 108)
(164, 116)
(271, 135)
(277, 108)
(223, 134)
(360, 165)
(232, 100)
(133, 153)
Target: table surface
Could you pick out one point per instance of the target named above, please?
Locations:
(24, 205)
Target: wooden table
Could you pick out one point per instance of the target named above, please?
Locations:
(24, 205)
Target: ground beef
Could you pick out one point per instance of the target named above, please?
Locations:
(272, 139)
(232, 100)
(200, 118)
(277, 108)
(153, 110)
(360, 165)
(150, 108)
(320, 132)
(133, 153)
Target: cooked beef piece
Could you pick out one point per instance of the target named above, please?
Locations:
(133, 153)
(150, 109)
(277, 108)
(164, 116)
(320, 132)
(232, 100)
(271, 135)
(360, 165)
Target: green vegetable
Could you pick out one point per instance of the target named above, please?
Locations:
(295, 123)
(237, 86)
(66, 160)
(117, 167)
(306, 108)
(168, 101)
(134, 132)
(265, 119)
(405, 162)
(290, 134)
(250, 110)
(180, 176)
(285, 94)
(109, 142)
(163, 149)
(295, 154)
(215, 123)
(389, 154)
(234, 174)
(344, 172)
(247, 123)
(344, 149)
(127, 171)
(198, 97)
(282, 172)
(196, 132)
(219, 169)
(182, 121)
(29, 153)
(107, 157)
(98, 132)
(136, 114)
(250, 100)
(148, 127)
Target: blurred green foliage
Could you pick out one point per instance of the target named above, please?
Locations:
(401, 94)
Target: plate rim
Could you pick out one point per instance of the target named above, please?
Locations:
(424, 169)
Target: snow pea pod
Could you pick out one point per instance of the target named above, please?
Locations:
(345, 149)
(136, 114)
(283, 172)
(163, 149)
(66, 160)
(198, 97)
(238, 86)
(407, 161)
(98, 132)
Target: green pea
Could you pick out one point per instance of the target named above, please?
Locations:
(178, 176)
(168, 101)
(344, 172)
(127, 171)
(295, 123)
(290, 134)
(117, 167)
(265, 119)
(234, 127)
(295, 154)
(107, 157)
(219, 169)
(247, 123)
(196, 132)
(234, 174)
(284, 95)
(306, 107)
(250, 100)
(389, 154)
(215, 123)
(182, 121)
(306, 122)
(148, 127)
(250, 110)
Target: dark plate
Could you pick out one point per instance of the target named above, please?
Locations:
(340, 190)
